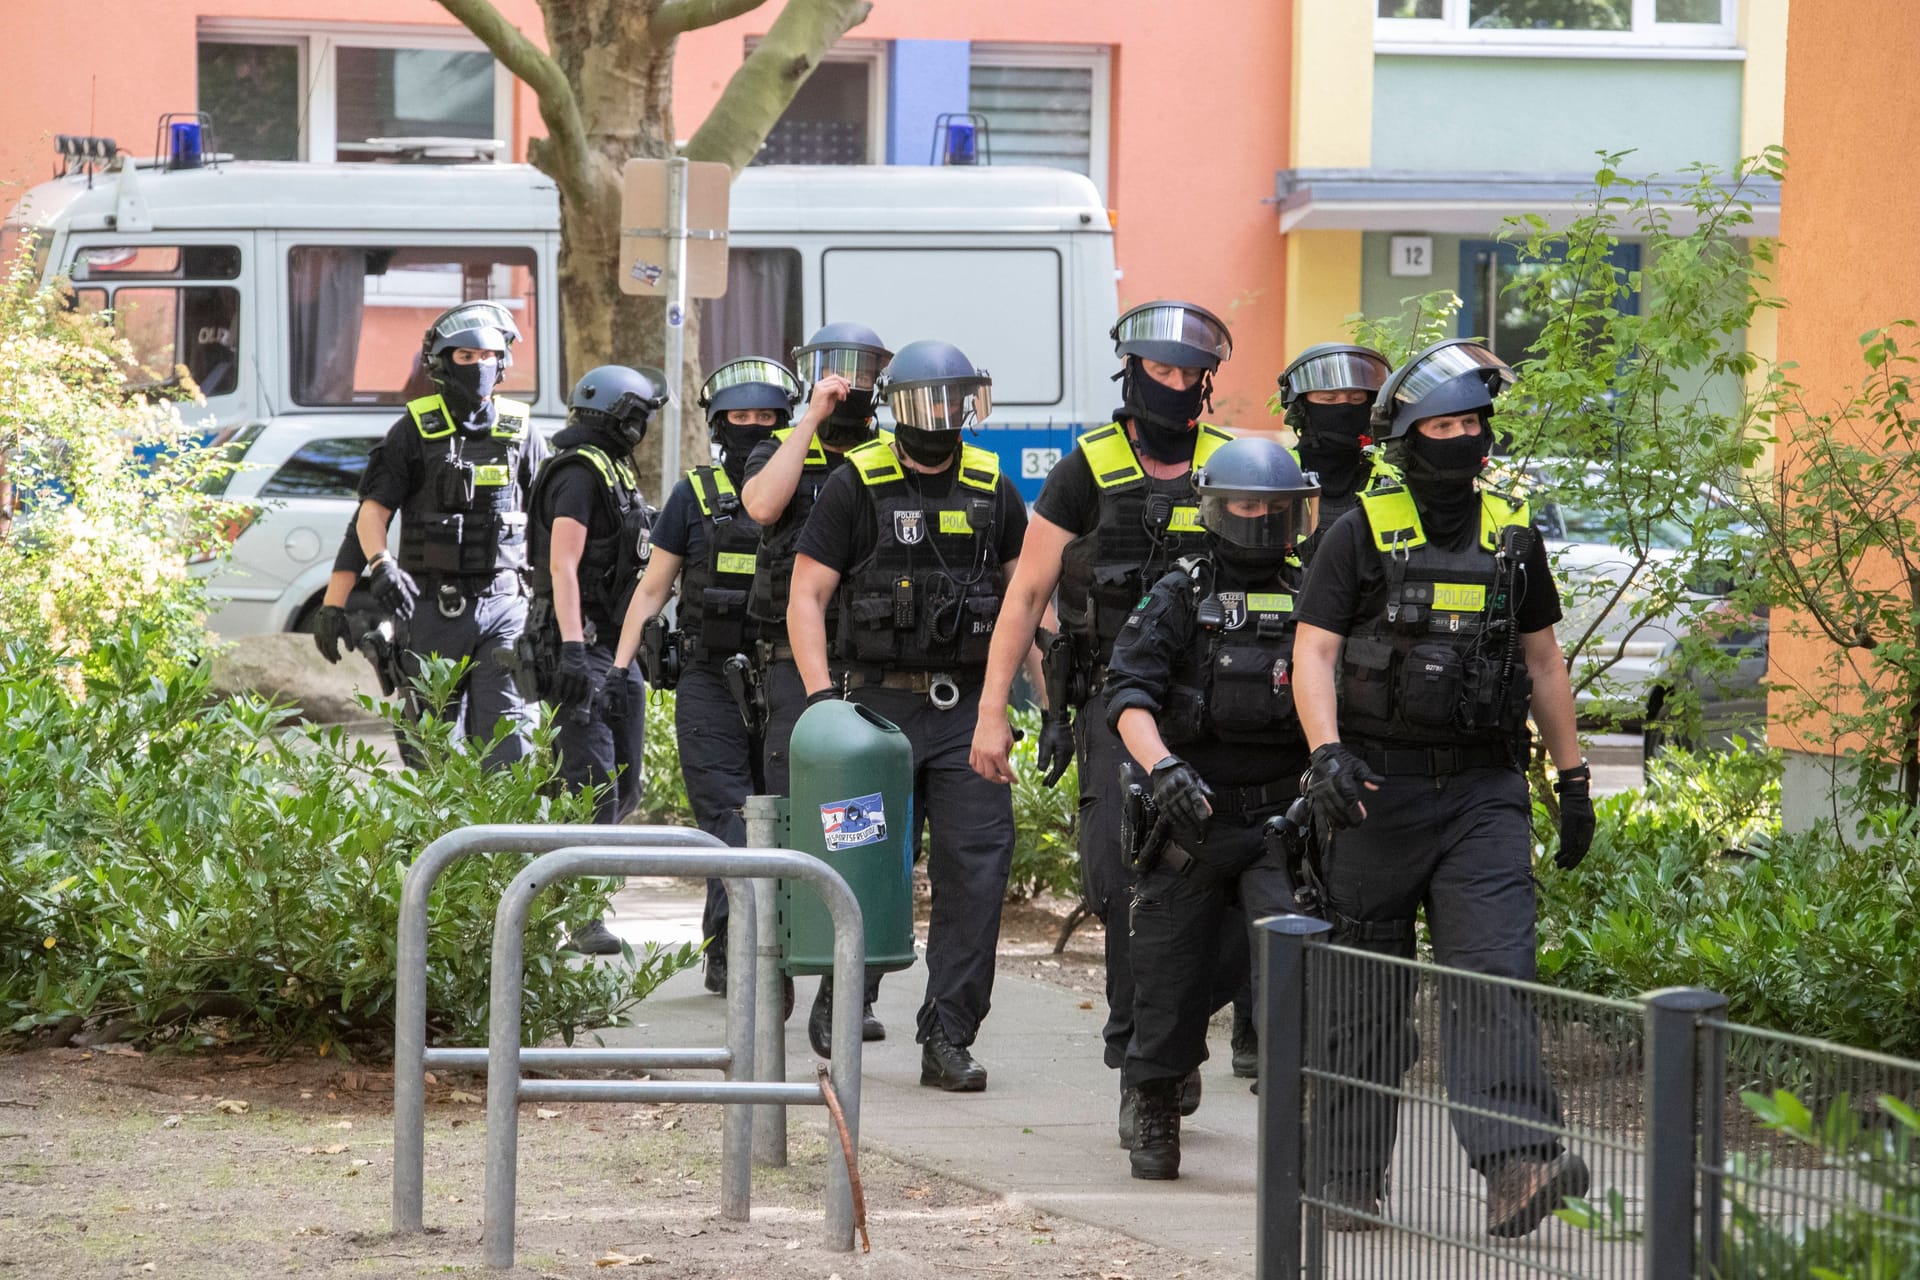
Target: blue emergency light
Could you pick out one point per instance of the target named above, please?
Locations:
(961, 137)
(183, 145)
(961, 144)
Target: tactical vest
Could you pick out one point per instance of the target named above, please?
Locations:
(1440, 664)
(1235, 682)
(1139, 535)
(927, 596)
(610, 565)
(468, 516)
(714, 588)
(1373, 471)
(773, 571)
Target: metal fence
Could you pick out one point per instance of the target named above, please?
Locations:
(1424, 1121)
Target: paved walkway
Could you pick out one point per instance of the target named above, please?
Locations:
(1043, 1132)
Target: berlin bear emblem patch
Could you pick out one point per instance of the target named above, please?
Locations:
(909, 527)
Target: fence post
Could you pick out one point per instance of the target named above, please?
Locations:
(1673, 1124)
(770, 1035)
(1281, 1022)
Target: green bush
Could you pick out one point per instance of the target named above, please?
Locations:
(663, 793)
(165, 859)
(1690, 882)
(1045, 857)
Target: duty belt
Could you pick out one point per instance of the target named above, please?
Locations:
(1436, 761)
(941, 687)
(1234, 802)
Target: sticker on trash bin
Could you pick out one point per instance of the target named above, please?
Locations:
(852, 823)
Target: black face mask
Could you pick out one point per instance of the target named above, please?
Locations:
(1163, 418)
(466, 387)
(736, 443)
(1250, 566)
(1330, 445)
(928, 448)
(1440, 475)
(851, 423)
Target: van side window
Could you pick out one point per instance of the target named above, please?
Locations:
(323, 469)
(760, 314)
(155, 262)
(356, 314)
(169, 326)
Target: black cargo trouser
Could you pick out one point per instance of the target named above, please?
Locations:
(600, 751)
(1460, 845)
(720, 764)
(969, 847)
(1191, 943)
(488, 620)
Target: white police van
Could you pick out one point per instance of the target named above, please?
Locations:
(295, 296)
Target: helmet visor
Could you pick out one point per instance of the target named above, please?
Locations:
(476, 315)
(1172, 322)
(859, 366)
(1260, 521)
(750, 372)
(944, 405)
(1441, 365)
(1337, 371)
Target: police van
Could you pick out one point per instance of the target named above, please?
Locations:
(295, 296)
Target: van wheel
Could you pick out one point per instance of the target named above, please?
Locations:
(303, 621)
(1657, 733)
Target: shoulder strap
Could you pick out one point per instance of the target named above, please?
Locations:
(1207, 438)
(1500, 511)
(430, 417)
(876, 464)
(709, 484)
(1110, 457)
(816, 454)
(979, 468)
(1393, 517)
(510, 418)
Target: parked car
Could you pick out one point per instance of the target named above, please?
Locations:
(1732, 696)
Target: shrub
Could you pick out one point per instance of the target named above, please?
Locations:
(1045, 856)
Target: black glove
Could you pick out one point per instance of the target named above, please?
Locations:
(573, 680)
(1055, 752)
(1335, 784)
(615, 696)
(330, 631)
(1181, 794)
(1576, 816)
(393, 587)
(825, 695)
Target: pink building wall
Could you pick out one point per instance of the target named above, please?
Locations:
(1198, 118)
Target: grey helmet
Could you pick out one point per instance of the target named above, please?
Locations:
(623, 400)
(1459, 375)
(753, 382)
(1332, 366)
(933, 387)
(853, 351)
(1176, 333)
(483, 326)
(1256, 469)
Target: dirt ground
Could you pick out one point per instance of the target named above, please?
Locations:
(117, 1163)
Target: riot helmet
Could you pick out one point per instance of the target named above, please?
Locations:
(856, 353)
(1172, 333)
(482, 326)
(618, 401)
(1176, 333)
(934, 391)
(1331, 366)
(754, 382)
(1459, 375)
(1254, 497)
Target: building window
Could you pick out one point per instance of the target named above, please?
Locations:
(839, 116)
(1043, 105)
(1494, 308)
(297, 91)
(1573, 26)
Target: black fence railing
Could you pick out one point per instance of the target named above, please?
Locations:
(1429, 1122)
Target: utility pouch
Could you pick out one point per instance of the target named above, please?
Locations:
(1430, 685)
(455, 485)
(1366, 677)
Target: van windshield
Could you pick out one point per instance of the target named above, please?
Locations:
(357, 313)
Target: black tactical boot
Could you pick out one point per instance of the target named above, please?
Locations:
(820, 1020)
(716, 975)
(1246, 1045)
(1156, 1143)
(594, 939)
(1190, 1093)
(1129, 1115)
(945, 1065)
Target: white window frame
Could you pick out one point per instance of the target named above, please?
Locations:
(319, 119)
(1095, 58)
(1449, 34)
(874, 54)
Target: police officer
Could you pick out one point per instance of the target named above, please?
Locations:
(705, 540)
(785, 476)
(1113, 516)
(1435, 605)
(458, 466)
(1198, 689)
(917, 536)
(1327, 398)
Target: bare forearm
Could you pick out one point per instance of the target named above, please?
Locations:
(1020, 613)
(1315, 653)
(766, 495)
(1553, 709)
(371, 526)
(649, 598)
(339, 587)
(813, 586)
(566, 607)
(1141, 734)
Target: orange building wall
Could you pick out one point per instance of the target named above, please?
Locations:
(1849, 206)
(1199, 118)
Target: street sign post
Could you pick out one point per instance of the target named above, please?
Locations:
(673, 245)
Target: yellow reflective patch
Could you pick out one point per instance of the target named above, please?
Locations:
(735, 562)
(1456, 597)
(1269, 602)
(1185, 520)
(954, 522)
(490, 475)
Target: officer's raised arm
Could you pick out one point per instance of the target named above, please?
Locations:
(767, 494)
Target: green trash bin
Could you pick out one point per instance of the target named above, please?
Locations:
(851, 806)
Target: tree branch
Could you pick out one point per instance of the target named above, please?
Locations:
(765, 83)
(677, 17)
(566, 134)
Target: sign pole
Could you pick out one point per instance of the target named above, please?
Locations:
(676, 335)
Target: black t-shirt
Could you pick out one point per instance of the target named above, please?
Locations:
(842, 530)
(575, 491)
(805, 492)
(1161, 631)
(1348, 581)
(679, 529)
(1069, 497)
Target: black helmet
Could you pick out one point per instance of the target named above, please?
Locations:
(1256, 469)
(1332, 366)
(853, 351)
(1459, 375)
(483, 326)
(932, 386)
(754, 382)
(1176, 333)
(624, 399)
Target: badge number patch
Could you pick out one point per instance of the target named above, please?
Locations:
(848, 824)
(909, 527)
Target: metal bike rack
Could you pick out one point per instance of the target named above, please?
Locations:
(770, 1037)
(506, 1089)
(412, 1058)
